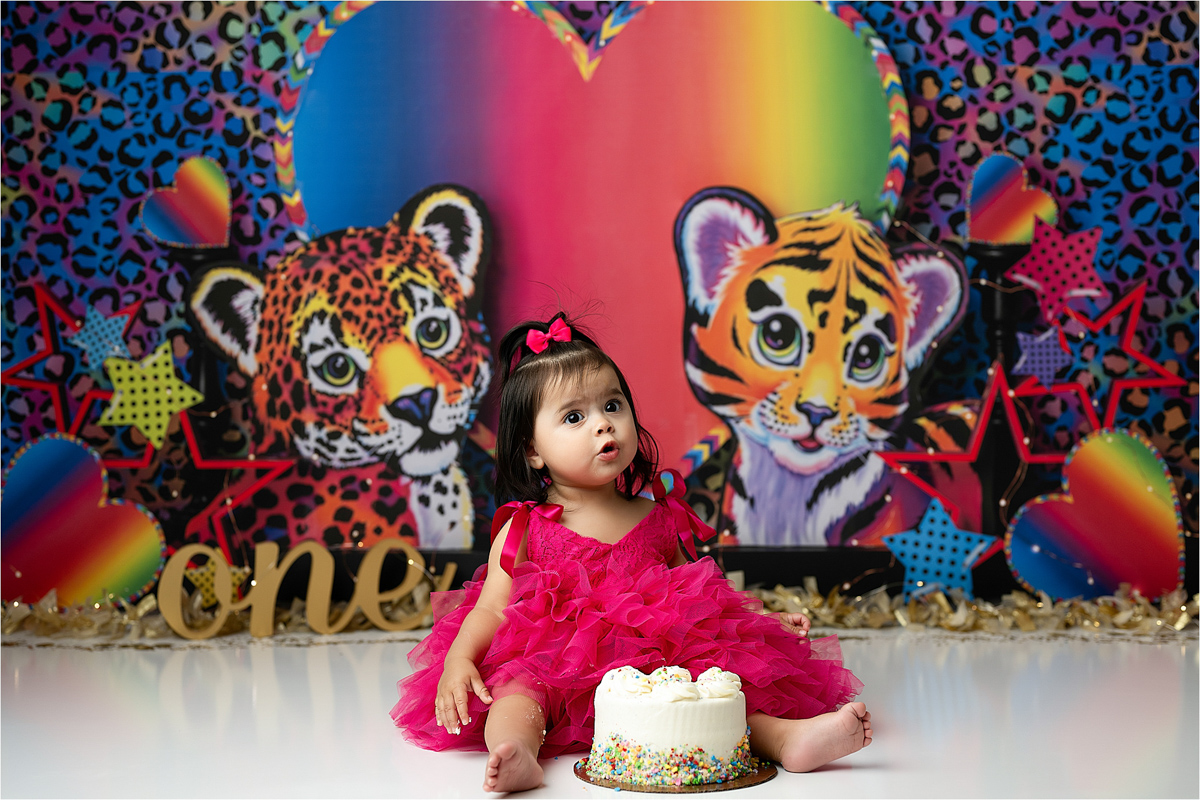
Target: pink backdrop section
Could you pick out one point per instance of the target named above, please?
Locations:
(584, 179)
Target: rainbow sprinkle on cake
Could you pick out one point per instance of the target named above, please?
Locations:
(664, 729)
(617, 759)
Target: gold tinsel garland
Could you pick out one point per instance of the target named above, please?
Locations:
(1127, 611)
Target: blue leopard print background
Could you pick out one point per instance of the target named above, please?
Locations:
(1099, 100)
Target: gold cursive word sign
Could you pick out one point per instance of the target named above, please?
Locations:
(267, 575)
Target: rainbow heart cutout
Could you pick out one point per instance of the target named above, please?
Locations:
(583, 180)
(1116, 521)
(1001, 208)
(192, 212)
(61, 531)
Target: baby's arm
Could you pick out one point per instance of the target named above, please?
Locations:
(460, 676)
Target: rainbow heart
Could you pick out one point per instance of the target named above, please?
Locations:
(60, 530)
(1001, 207)
(192, 212)
(1116, 521)
(584, 180)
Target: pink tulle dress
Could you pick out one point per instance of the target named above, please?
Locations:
(580, 607)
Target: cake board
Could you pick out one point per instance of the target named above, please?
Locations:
(761, 774)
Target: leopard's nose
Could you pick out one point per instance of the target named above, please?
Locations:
(416, 408)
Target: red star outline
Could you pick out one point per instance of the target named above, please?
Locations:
(1032, 387)
(1133, 302)
(48, 306)
(997, 387)
(224, 503)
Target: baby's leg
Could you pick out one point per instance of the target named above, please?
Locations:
(513, 731)
(801, 745)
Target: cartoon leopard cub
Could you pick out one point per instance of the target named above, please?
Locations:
(366, 347)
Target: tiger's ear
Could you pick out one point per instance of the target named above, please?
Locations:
(936, 282)
(458, 223)
(225, 301)
(713, 227)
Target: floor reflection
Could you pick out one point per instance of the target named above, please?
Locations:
(953, 718)
(1064, 717)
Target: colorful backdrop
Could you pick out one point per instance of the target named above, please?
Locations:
(585, 134)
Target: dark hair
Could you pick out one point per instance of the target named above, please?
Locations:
(524, 379)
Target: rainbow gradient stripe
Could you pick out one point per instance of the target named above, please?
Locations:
(897, 102)
(60, 531)
(761, 94)
(1001, 209)
(1116, 521)
(194, 212)
(584, 179)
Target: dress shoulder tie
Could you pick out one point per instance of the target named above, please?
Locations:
(519, 513)
(687, 523)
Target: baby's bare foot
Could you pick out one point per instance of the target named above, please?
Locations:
(511, 768)
(811, 743)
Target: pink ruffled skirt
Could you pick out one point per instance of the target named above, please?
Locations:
(564, 628)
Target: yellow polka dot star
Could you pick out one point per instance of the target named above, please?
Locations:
(202, 579)
(147, 393)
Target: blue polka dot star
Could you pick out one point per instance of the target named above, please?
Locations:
(937, 555)
(101, 337)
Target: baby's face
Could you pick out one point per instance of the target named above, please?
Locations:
(584, 432)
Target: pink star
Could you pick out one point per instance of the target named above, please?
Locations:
(1059, 266)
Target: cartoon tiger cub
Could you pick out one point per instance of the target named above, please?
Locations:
(367, 346)
(801, 334)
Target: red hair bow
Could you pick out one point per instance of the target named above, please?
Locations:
(519, 514)
(538, 341)
(686, 522)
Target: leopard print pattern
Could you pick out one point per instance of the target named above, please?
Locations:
(1098, 100)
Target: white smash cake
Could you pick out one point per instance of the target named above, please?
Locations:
(662, 729)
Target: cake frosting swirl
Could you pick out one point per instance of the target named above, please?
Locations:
(666, 729)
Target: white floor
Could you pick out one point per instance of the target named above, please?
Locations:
(953, 717)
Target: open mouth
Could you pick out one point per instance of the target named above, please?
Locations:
(809, 444)
(609, 451)
(430, 442)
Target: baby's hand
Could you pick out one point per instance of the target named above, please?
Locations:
(460, 677)
(793, 621)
